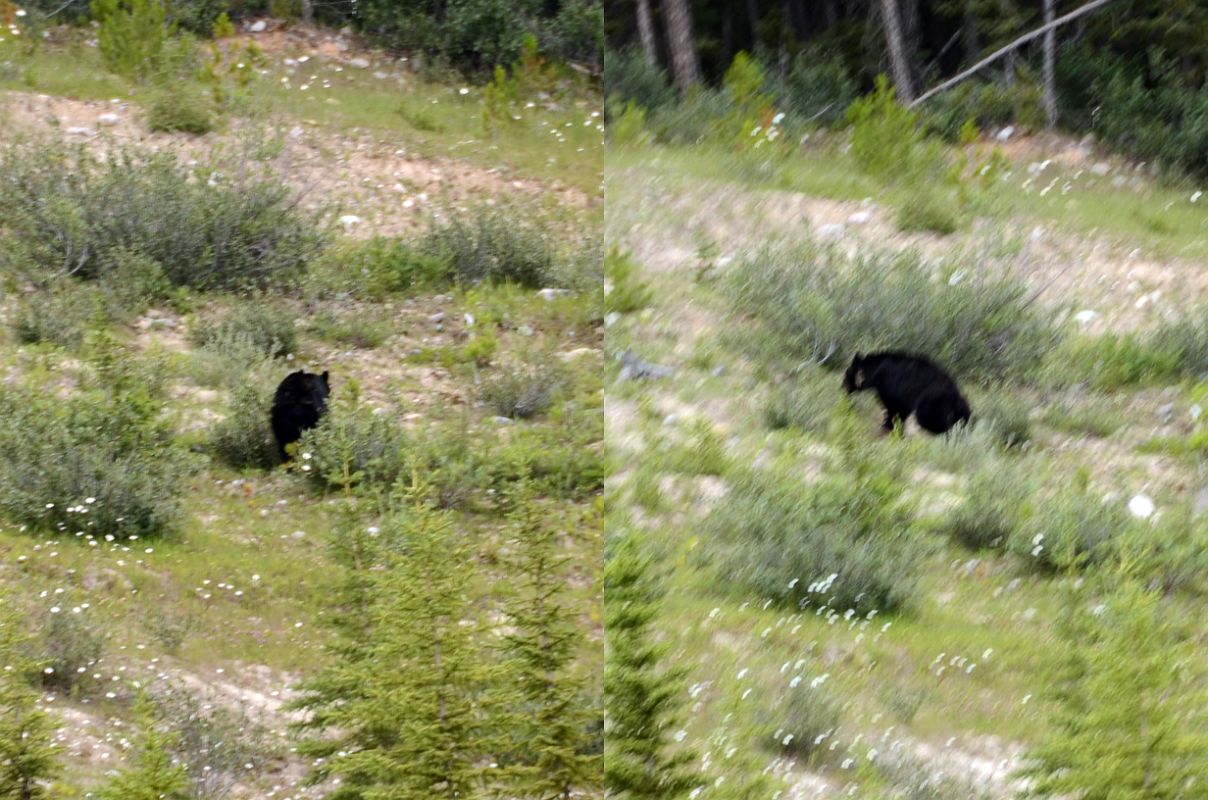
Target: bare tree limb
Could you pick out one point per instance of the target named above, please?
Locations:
(999, 53)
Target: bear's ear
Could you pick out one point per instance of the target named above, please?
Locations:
(325, 381)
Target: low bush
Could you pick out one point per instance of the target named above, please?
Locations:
(929, 212)
(799, 721)
(496, 245)
(132, 35)
(521, 391)
(1069, 529)
(804, 404)
(844, 542)
(57, 314)
(1010, 419)
(244, 438)
(630, 78)
(358, 329)
(97, 463)
(68, 211)
(260, 325)
(353, 446)
(72, 647)
(624, 291)
(817, 88)
(388, 265)
(994, 507)
(819, 306)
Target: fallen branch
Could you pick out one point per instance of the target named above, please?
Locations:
(997, 54)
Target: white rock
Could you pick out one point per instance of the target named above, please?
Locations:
(860, 218)
(1196, 195)
(79, 131)
(550, 294)
(1085, 316)
(1101, 168)
(359, 63)
(1005, 133)
(296, 132)
(108, 120)
(349, 220)
(831, 231)
(258, 26)
(1141, 507)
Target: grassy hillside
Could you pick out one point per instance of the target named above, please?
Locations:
(444, 269)
(883, 616)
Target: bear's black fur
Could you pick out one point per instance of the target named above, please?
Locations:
(300, 401)
(909, 384)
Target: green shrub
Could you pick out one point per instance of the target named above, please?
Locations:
(358, 330)
(265, 327)
(817, 305)
(992, 510)
(845, 542)
(817, 87)
(929, 211)
(1069, 529)
(68, 211)
(563, 458)
(56, 315)
(691, 119)
(244, 438)
(627, 124)
(521, 391)
(72, 647)
(629, 78)
(1010, 419)
(93, 463)
(624, 292)
(352, 446)
(885, 135)
(803, 404)
(799, 721)
(181, 108)
(495, 245)
(132, 35)
(1112, 361)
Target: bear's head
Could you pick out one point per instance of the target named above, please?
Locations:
(853, 379)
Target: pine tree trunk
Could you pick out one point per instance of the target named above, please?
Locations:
(685, 67)
(646, 33)
(308, 11)
(1050, 57)
(898, 63)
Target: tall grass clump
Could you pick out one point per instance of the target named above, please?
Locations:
(817, 305)
(216, 225)
(845, 541)
(496, 245)
(262, 326)
(1073, 528)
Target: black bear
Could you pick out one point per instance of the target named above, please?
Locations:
(300, 401)
(908, 384)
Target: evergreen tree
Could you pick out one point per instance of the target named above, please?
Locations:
(1128, 721)
(151, 774)
(27, 753)
(552, 724)
(411, 705)
(641, 696)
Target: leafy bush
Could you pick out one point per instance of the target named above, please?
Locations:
(691, 119)
(577, 32)
(1010, 420)
(1069, 529)
(93, 463)
(352, 446)
(494, 245)
(629, 78)
(819, 306)
(793, 725)
(623, 291)
(802, 404)
(244, 438)
(1112, 361)
(56, 315)
(183, 109)
(845, 542)
(73, 644)
(929, 211)
(885, 135)
(521, 391)
(132, 35)
(992, 510)
(263, 326)
(358, 330)
(816, 88)
(68, 211)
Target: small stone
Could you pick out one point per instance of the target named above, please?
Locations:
(1201, 501)
(1085, 316)
(1101, 168)
(1195, 412)
(611, 318)
(296, 132)
(108, 120)
(1005, 133)
(80, 131)
(670, 419)
(258, 26)
(439, 316)
(298, 535)
(359, 63)
(860, 218)
(503, 420)
(550, 294)
(525, 330)
(718, 371)
(1166, 412)
(830, 231)
(349, 220)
